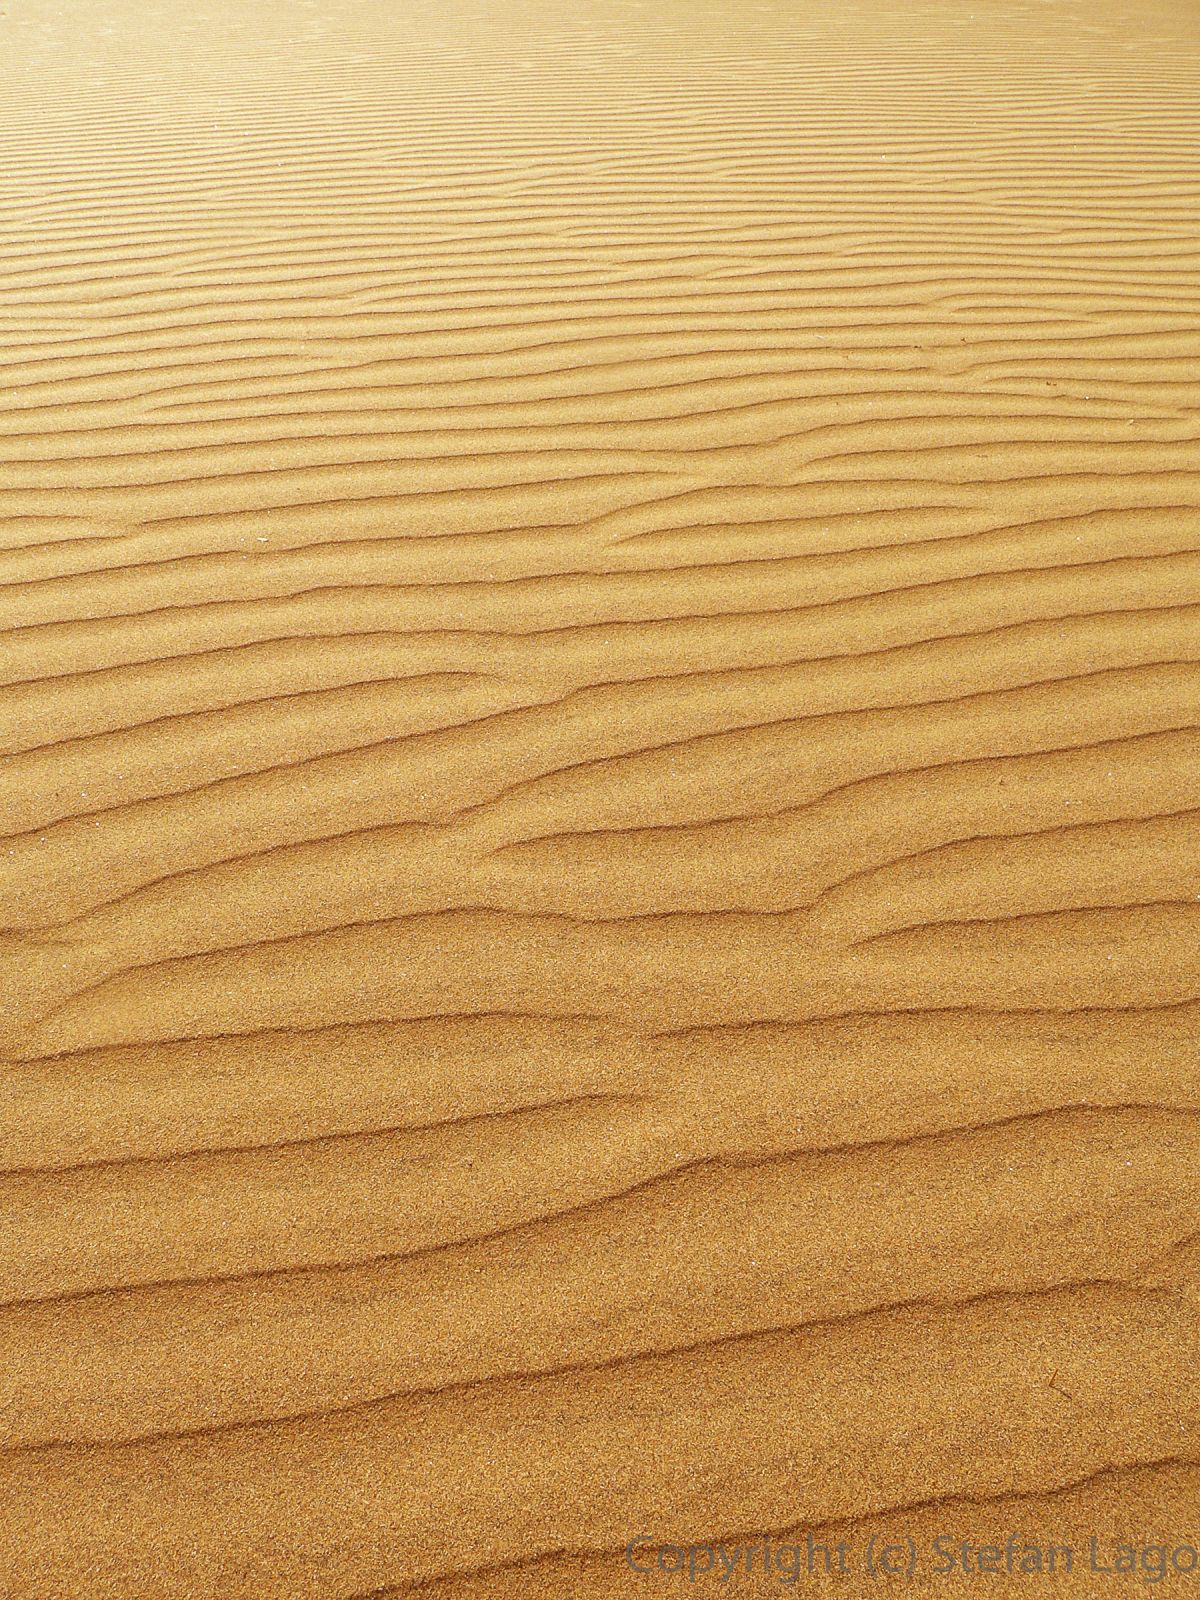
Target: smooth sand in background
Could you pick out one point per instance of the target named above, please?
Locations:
(599, 627)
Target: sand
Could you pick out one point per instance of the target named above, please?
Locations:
(600, 881)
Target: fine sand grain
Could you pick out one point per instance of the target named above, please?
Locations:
(600, 793)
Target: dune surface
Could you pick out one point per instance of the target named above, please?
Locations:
(600, 792)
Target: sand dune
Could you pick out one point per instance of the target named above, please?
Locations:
(600, 789)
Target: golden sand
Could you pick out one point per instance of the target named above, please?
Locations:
(600, 890)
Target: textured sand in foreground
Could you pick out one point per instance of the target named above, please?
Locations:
(600, 660)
